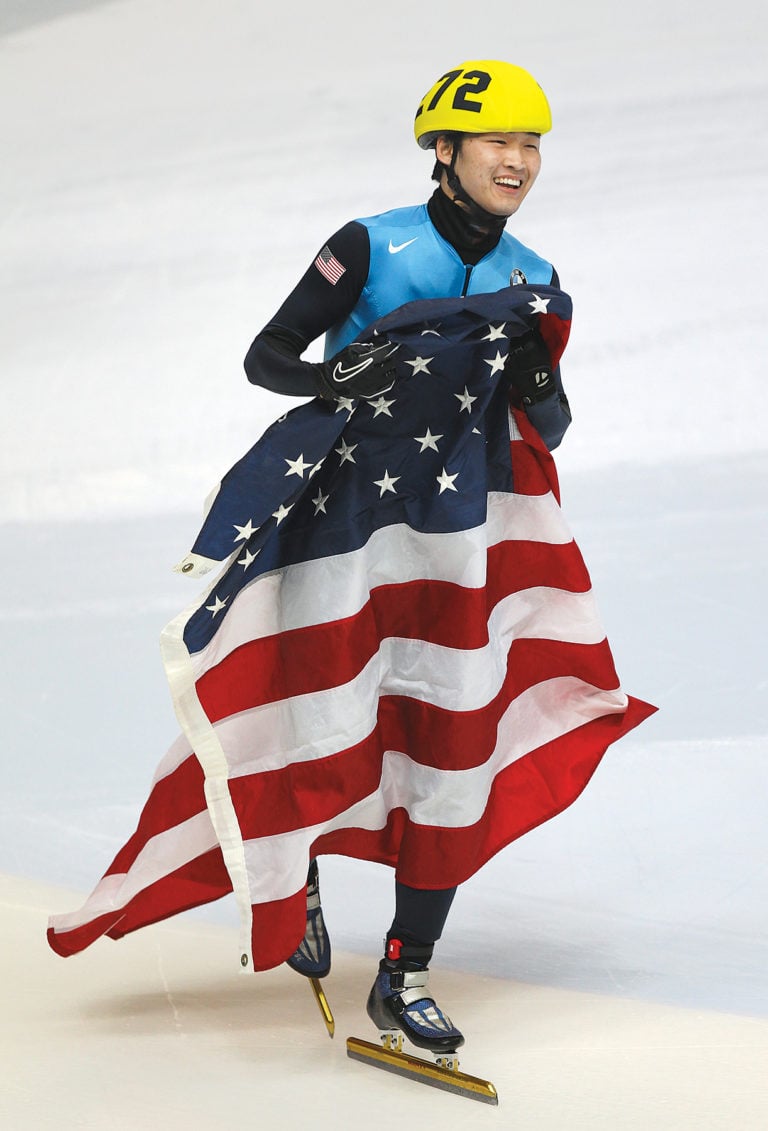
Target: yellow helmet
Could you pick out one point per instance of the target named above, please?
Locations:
(482, 96)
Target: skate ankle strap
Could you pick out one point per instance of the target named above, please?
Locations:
(414, 979)
(410, 984)
(398, 951)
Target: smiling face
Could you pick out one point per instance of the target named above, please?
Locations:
(497, 170)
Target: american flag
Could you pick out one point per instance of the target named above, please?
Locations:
(328, 265)
(400, 658)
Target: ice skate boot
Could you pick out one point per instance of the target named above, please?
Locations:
(313, 957)
(399, 1005)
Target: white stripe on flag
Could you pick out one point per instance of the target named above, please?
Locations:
(322, 723)
(160, 856)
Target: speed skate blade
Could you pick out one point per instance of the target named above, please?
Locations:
(413, 1067)
(323, 1006)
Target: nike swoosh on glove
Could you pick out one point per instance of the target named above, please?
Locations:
(361, 369)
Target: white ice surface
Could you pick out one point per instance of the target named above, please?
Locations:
(167, 1033)
(169, 169)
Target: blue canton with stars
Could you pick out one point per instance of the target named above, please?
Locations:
(326, 475)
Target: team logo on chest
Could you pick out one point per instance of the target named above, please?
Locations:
(517, 278)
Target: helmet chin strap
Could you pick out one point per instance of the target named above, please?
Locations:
(479, 217)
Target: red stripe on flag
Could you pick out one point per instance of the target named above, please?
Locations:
(200, 881)
(307, 793)
(318, 657)
(172, 800)
(533, 469)
(523, 796)
(555, 331)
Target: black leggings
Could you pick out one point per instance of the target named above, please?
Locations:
(420, 915)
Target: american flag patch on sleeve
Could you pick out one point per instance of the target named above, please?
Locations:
(328, 265)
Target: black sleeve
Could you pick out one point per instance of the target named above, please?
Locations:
(325, 295)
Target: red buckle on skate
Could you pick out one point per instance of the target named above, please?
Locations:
(394, 948)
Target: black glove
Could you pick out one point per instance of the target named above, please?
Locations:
(361, 369)
(529, 368)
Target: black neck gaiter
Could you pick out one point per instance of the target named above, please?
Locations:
(456, 225)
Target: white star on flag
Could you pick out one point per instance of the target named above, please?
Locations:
(345, 451)
(420, 365)
(381, 406)
(217, 606)
(345, 403)
(320, 500)
(386, 484)
(539, 305)
(247, 558)
(494, 333)
(281, 512)
(496, 363)
(428, 440)
(245, 532)
(297, 466)
(466, 400)
(446, 481)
